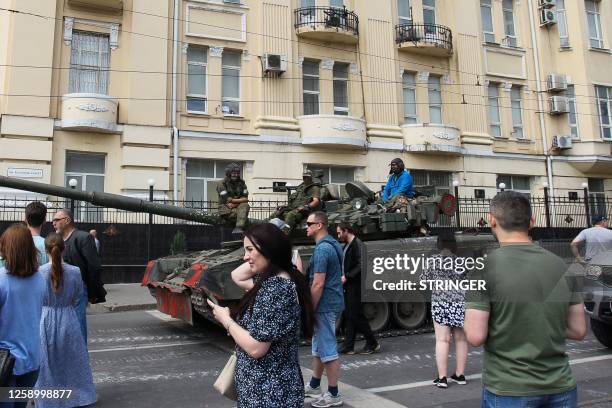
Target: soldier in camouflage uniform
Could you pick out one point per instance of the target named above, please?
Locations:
(305, 199)
(233, 198)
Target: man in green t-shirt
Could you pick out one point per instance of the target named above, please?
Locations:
(525, 314)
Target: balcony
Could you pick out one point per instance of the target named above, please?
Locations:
(589, 156)
(432, 139)
(89, 112)
(426, 39)
(111, 5)
(327, 24)
(332, 130)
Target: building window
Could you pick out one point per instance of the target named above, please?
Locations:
(340, 73)
(519, 184)
(435, 99)
(89, 63)
(517, 111)
(573, 112)
(404, 12)
(486, 16)
(441, 181)
(594, 23)
(231, 83)
(409, 92)
(604, 107)
(310, 80)
(196, 79)
(201, 180)
(429, 16)
(494, 115)
(597, 197)
(335, 175)
(336, 3)
(509, 31)
(562, 24)
(88, 170)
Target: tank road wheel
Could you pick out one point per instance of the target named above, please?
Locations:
(409, 315)
(377, 314)
(603, 332)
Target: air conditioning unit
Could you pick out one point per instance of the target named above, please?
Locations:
(558, 105)
(562, 142)
(274, 63)
(557, 83)
(548, 3)
(547, 17)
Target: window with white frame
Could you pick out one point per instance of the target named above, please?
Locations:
(440, 180)
(89, 63)
(604, 108)
(429, 16)
(310, 81)
(404, 14)
(570, 93)
(520, 184)
(509, 31)
(494, 115)
(231, 82)
(338, 175)
(516, 103)
(88, 170)
(201, 180)
(340, 76)
(597, 197)
(336, 3)
(594, 23)
(435, 99)
(196, 79)
(562, 24)
(409, 93)
(486, 17)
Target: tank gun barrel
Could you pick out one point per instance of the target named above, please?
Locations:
(111, 200)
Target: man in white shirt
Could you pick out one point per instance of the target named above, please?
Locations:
(598, 239)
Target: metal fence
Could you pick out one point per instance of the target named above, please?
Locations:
(327, 17)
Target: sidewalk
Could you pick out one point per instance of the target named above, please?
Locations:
(122, 297)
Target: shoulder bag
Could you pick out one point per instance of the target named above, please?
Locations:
(226, 382)
(7, 362)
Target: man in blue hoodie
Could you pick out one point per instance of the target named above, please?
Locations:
(399, 182)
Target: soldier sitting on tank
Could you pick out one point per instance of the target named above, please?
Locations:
(233, 199)
(399, 186)
(304, 200)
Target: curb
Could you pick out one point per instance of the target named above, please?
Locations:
(112, 308)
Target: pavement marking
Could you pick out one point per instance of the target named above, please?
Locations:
(104, 378)
(162, 316)
(428, 383)
(149, 346)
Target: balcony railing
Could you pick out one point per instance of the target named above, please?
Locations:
(327, 17)
(425, 34)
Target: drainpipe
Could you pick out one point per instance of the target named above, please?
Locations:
(545, 147)
(175, 135)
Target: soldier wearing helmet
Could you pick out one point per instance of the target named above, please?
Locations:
(233, 198)
(399, 182)
(305, 199)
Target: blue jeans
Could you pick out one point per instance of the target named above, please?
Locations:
(81, 311)
(26, 380)
(324, 343)
(567, 399)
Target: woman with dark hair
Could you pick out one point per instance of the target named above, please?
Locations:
(21, 296)
(64, 359)
(266, 324)
(448, 310)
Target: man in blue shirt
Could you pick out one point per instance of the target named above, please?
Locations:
(399, 182)
(325, 279)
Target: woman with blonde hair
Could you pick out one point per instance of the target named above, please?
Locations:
(21, 295)
(64, 358)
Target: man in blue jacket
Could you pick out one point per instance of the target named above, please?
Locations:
(400, 182)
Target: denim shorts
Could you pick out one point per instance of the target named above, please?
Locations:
(324, 339)
(567, 399)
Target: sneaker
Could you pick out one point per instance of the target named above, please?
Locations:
(459, 379)
(328, 400)
(310, 392)
(346, 350)
(441, 382)
(370, 349)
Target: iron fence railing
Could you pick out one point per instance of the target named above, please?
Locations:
(556, 212)
(327, 17)
(435, 34)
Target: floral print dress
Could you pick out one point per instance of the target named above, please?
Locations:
(274, 380)
(447, 306)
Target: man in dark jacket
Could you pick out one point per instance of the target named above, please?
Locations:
(80, 250)
(353, 311)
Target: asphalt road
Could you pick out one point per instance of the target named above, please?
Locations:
(142, 359)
